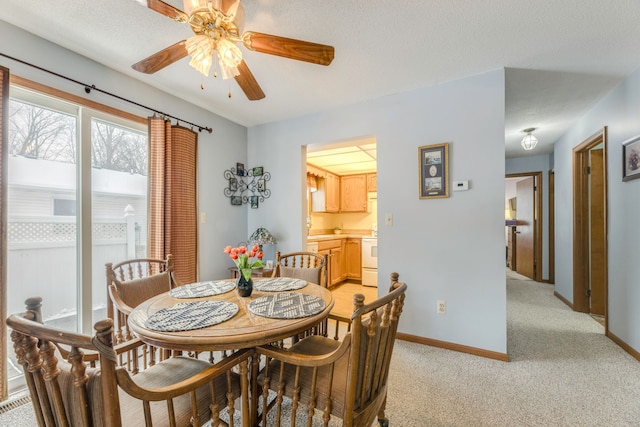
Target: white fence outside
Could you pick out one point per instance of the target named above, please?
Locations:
(42, 260)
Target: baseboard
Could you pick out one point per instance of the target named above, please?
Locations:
(626, 347)
(563, 299)
(455, 347)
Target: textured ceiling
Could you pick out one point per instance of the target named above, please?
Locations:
(560, 56)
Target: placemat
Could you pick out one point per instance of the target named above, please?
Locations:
(287, 305)
(186, 316)
(278, 284)
(202, 289)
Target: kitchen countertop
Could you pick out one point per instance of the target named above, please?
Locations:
(318, 237)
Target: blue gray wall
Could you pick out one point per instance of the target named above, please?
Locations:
(619, 111)
(445, 249)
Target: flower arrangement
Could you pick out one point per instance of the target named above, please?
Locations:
(246, 260)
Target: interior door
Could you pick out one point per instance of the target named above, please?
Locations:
(525, 249)
(597, 240)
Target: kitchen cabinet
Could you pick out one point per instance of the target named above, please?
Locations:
(353, 193)
(372, 182)
(332, 193)
(335, 250)
(336, 266)
(354, 259)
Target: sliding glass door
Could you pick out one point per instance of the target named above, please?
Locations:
(77, 199)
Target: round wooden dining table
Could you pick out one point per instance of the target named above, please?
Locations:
(244, 330)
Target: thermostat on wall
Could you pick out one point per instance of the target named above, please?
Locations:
(460, 185)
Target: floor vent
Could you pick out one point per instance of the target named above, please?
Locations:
(14, 402)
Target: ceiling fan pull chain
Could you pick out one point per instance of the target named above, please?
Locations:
(202, 81)
(229, 82)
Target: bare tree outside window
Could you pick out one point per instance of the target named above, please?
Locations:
(117, 148)
(40, 133)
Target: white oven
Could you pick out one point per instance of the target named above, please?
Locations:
(369, 261)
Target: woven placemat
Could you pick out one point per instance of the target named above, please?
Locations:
(202, 289)
(287, 305)
(278, 284)
(186, 316)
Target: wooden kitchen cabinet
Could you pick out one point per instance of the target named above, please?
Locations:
(372, 182)
(353, 193)
(335, 249)
(354, 259)
(336, 262)
(332, 193)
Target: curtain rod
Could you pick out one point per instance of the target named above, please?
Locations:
(89, 88)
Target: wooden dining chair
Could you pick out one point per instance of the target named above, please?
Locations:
(130, 283)
(66, 391)
(307, 266)
(347, 379)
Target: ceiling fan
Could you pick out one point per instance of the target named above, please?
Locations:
(217, 25)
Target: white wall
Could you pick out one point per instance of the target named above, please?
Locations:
(217, 151)
(450, 249)
(619, 111)
(537, 164)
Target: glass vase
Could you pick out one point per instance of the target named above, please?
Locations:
(244, 285)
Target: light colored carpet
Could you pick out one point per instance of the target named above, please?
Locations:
(563, 372)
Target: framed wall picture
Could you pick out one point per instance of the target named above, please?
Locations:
(261, 185)
(433, 178)
(257, 171)
(236, 200)
(240, 169)
(233, 184)
(254, 202)
(631, 159)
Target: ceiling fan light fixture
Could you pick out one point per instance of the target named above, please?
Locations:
(529, 141)
(200, 48)
(227, 72)
(229, 54)
(191, 6)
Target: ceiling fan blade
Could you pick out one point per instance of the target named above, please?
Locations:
(165, 9)
(159, 60)
(289, 48)
(248, 83)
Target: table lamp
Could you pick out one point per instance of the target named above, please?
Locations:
(262, 236)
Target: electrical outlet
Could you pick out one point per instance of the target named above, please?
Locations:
(442, 307)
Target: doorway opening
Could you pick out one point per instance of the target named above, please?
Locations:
(590, 262)
(525, 232)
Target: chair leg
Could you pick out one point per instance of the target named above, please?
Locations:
(382, 419)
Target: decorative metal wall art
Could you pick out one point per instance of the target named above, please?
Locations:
(247, 185)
